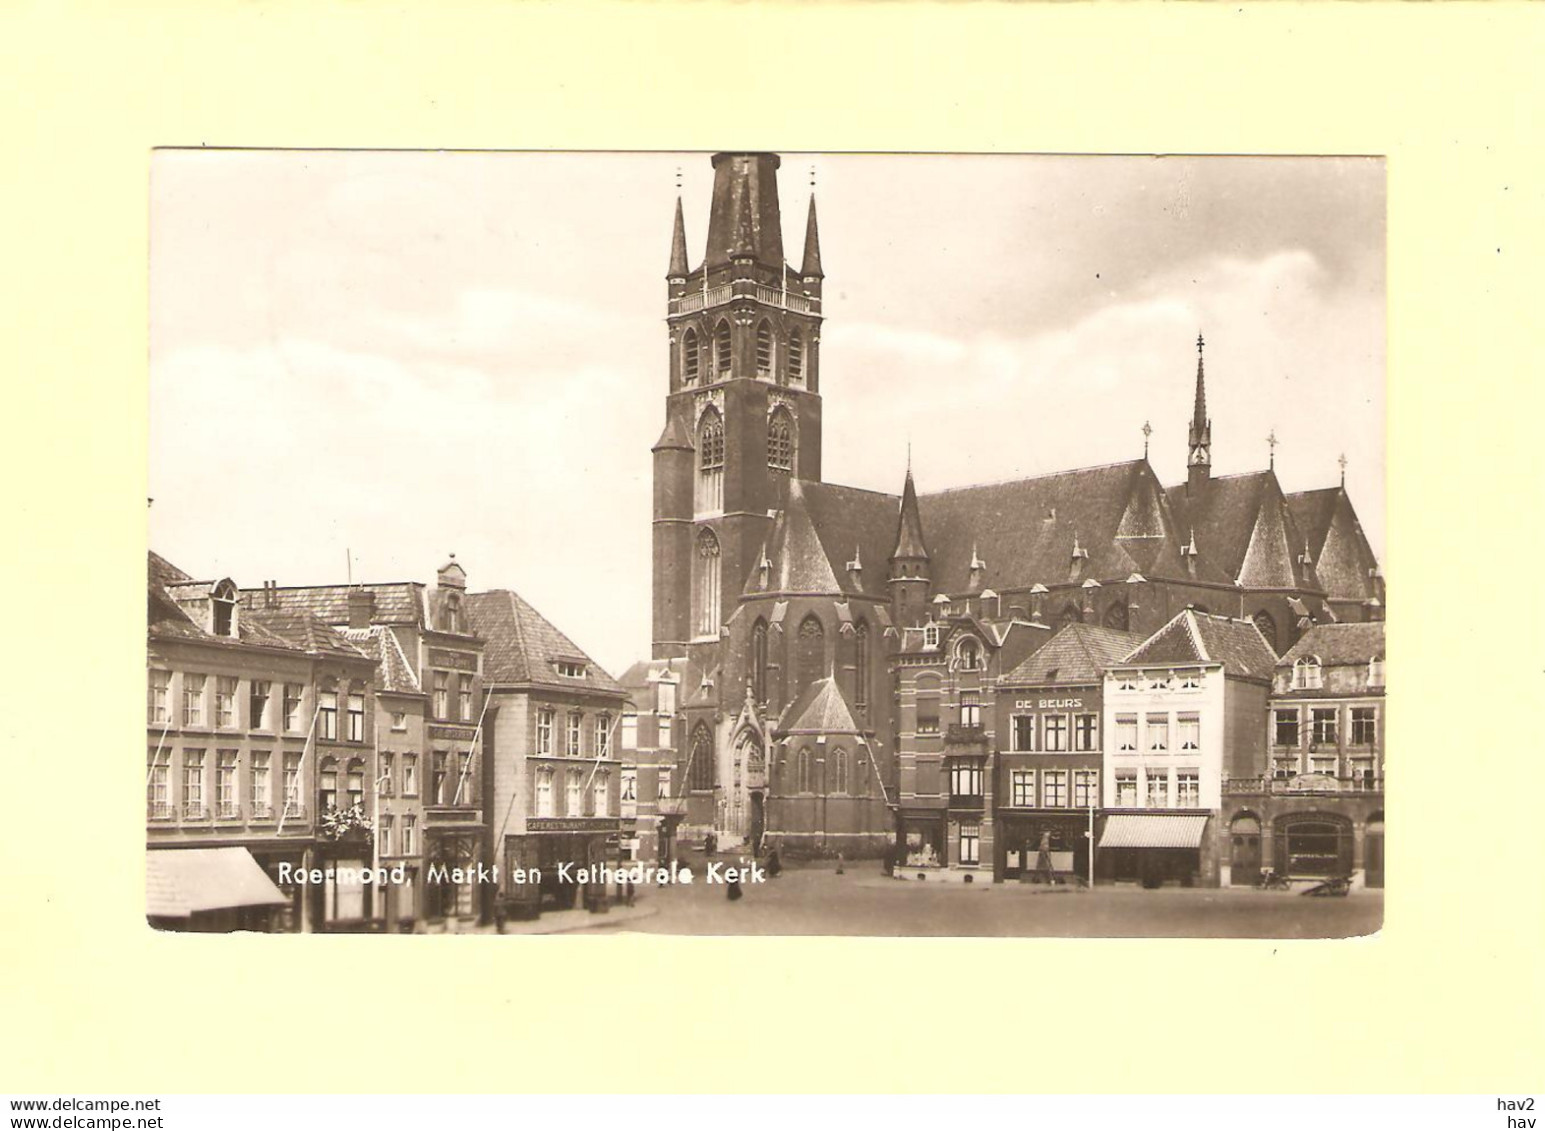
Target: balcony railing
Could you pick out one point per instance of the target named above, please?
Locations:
(967, 801)
(724, 293)
(160, 811)
(1303, 784)
(959, 735)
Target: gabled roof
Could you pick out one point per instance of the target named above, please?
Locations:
(1026, 530)
(522, 646)
(821, 708)
(393, 671)
(304, 632)
(173, 597)
(1200, 638)
(817, 532)
(1244, 531)
(1078, 653)
(1342, 556)
(1347, 643)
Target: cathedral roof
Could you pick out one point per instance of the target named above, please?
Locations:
(1078, 653)
(821, 708)
(523, 646)
(817, 533)
(1200, 638)
(1342, 557)
(1243, 531)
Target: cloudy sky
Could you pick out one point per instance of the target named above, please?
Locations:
(398, 356)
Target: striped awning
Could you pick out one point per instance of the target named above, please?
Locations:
(182, 881)
(1153, 830)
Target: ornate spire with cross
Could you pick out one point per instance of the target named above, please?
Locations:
(1342, 460)
(1271, 444)
(1199, 436)
(1147, 431)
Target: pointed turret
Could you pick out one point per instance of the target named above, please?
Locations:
(679, 269)
(909, 582)
(1199, 438)
(811, 268)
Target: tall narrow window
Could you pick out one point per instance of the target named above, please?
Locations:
(721, 351)
(410, 775)
(796, 358)
(327, 716)
(810, 663)
(764, 351)
(259, 796)
(439, 778)
(292, 797)
(464, 699)
(707, 583)
(355, 784)
(160, 696)
(600, 795)
(223, 600)
(292, 697)
(701, 774)
(544, 731)
(689, 348)
(1158, 789)
(1086, 788)
(572, 734)
(257, 704)
(839, 771)
(968, 655)
(603, 736)
(225, 785)
(544, 792)
(193, 785)
(710, 462)
(1086, 733)
(1054, 789)
(574, 799)
(802, 770)
(1055, 732)
(356, 717)
(442, 700)
(759, 661)
(192, 700)
(159, 804)
(327, 784)
(780, 441)
(1189, 730)
(861, 675)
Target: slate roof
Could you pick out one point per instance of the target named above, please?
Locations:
(1342, 556)
(396, 602)
(522, 646)
(302, 631)
(1243, 531)
(817, 532)
(1078, 653)
(1193, 637)
(1025, 530)
(393, 671)
(821, 708)
(1353, 643)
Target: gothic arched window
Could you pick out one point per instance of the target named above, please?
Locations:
(710, 462)
(839, 770)
(796, 358)
(810, 655)
(968, 655)
(1116, 615)
(701, 774)
(759, 661)
(721, 350)
(802, 770)
(707, 583)
(861, 674)
(1268, 626)
(780, 441)
(689, 357)
(764, 350)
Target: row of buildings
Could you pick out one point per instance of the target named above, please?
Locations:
(304, 742)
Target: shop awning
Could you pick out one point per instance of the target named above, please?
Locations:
(182, 881)
(1153, 830)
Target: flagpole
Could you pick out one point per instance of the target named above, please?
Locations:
(300, 770)
(155, 759)
(472, 746)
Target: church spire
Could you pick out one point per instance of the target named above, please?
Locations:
(678, 268)
(909, 526)
(1199, 461)
(811, 268)
(743, 218)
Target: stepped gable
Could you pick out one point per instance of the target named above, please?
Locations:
(1078, 653)
(1026, 529)
(522, 646)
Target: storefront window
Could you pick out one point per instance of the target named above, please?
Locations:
(923, 845)
(970, 844)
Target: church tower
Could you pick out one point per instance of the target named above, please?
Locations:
(743, 404)
(909, 582)
(1199, 440)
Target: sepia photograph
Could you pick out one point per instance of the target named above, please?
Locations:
(747, 543)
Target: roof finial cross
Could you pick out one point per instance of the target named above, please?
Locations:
(1147, 431)
(1199, 344)
(1271, 443)
(678, 180)
(1342, 460)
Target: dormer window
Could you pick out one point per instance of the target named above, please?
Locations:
(1306, 673)
(969, 655)
(930, 635)
(223, 606)
(569, 669)
(1376, 672)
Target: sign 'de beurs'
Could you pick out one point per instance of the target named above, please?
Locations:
(1048, 704)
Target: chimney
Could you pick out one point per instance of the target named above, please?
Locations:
(362, 608)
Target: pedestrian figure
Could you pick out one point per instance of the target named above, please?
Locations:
(774, 865)
(732, 890)
(627, 891)
(839, 863)
(1043, 859)
(710, 844)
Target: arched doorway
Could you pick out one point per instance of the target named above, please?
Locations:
(1245, 848)
(1373, 850)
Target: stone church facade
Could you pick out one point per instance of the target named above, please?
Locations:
(783, 603)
